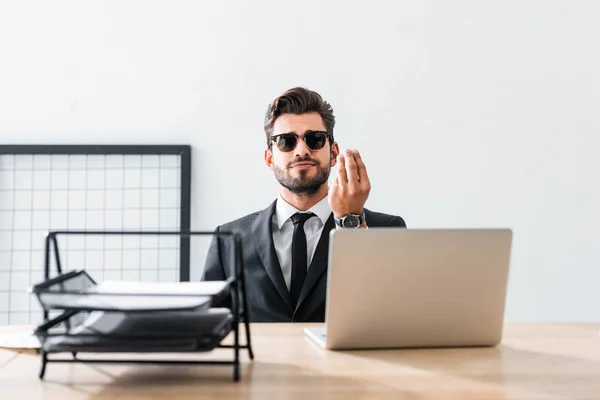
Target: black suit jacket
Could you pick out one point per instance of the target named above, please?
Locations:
(267, 293)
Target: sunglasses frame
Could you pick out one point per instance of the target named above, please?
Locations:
(273, 139)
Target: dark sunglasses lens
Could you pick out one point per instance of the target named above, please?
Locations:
(286, 142)
(315, 140)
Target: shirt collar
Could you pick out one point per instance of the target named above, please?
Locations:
(284, 210)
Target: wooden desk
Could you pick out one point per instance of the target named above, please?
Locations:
(535, 361)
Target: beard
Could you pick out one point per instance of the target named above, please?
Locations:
(303, 185)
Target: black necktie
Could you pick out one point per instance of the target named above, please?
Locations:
(299, 256)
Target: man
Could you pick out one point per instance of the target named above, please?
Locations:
(285, 246)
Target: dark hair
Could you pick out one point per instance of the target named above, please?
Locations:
(299, 100)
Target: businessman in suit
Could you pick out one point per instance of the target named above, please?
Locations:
(285, 246)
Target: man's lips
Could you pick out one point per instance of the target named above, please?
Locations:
(303, 164)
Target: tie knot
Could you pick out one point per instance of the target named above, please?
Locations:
(301, 218)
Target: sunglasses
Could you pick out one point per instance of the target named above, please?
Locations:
(315, 140)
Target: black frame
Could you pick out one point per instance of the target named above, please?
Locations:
(185, 151)
(237, 284)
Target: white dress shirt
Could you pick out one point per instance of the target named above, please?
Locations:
(283, 232)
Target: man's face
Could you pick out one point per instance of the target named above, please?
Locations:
(302, 170)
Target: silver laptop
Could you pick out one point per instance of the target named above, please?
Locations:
(403, 288)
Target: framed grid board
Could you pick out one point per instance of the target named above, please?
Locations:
(89, 187)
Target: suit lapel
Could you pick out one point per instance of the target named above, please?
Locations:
(262, 234)
(319, 262)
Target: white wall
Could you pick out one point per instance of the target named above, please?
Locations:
(468, 113)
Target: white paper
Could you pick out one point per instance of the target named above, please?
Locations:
(121, 302)
(19, 341)
(204, 288)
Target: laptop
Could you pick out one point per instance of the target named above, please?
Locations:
(409, 288)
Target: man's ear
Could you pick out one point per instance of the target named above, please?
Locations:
(335, 151)
(269, 158)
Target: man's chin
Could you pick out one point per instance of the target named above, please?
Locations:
(304, 190)
(303, 175)
(306, 185)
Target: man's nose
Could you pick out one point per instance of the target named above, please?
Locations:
(301, 149)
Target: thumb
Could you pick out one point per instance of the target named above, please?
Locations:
(333, 187)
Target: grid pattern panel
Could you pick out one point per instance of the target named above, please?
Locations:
(41, 192)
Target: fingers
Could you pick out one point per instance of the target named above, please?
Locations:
(351, 167)
(362, 169)
(352, 172)
(342, 177)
